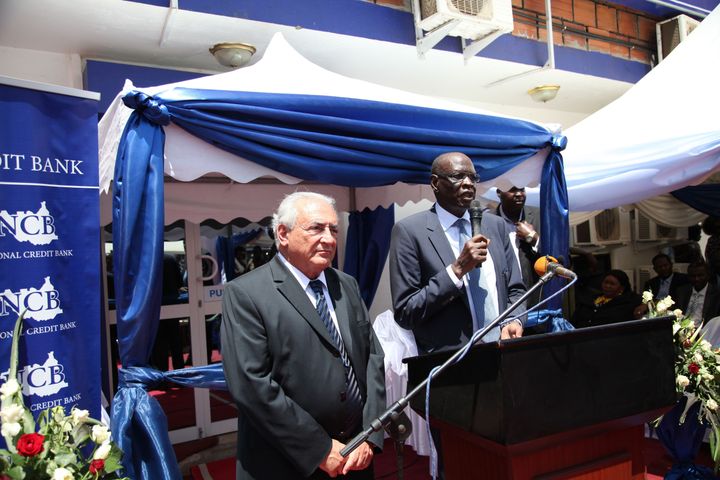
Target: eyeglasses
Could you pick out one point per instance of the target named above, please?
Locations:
(318, 229)
(459, 177)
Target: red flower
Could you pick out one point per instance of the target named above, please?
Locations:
(96, 466)
(30, 444)
(694, 368)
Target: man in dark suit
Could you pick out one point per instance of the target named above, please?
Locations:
(664, 284)
(300, 356)
(698, 299)
(432, 266)
(524, 237)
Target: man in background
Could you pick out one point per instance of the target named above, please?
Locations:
(524, 237)
(699, 299)
(665, 283)
(299, 354)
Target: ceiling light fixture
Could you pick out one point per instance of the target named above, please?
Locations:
(233, 55)
(544, 93)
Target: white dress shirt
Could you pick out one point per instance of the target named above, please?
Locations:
(695, 305)
(487, 272)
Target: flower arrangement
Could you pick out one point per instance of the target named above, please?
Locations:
(58, 446)
(697, 369)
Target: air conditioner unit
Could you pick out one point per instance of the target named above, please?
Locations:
(643, 273)
(606, 228)
(478, 18)
(647, 230)
(673, 31)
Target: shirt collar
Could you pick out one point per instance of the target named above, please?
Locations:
(302, 279)
(701, 291)
(447, 219)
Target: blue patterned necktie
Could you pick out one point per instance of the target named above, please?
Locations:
(352, 395)
(477, 292)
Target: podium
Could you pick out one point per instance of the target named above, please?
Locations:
(566, 405)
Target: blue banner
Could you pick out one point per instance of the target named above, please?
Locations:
(50, 247)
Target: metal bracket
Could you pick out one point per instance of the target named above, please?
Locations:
(469, 51)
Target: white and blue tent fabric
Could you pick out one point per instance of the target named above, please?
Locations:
(662, 135)
(285, 118)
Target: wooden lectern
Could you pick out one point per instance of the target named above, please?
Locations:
(566, 405)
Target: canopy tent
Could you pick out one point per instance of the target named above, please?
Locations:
(285, 118)
(660, 136)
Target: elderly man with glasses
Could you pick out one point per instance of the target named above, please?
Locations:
(437, 291)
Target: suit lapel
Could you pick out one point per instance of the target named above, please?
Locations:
(289, 287)
(436, 236)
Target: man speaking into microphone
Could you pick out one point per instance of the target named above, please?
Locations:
(448, 279)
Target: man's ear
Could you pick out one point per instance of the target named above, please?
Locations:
(282, 234)
(433, 182)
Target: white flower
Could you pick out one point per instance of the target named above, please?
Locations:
(99, 433)
(79, 416)
(11, 414)
(664, 304)
(61, 473)
(678, 313)
(11, 387)
(711, 404)
(705, 346)
(682, 381)
(10, 429)
(102, 451)
(698, 357)
(647, 297)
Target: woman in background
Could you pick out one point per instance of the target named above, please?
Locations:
(615, 304)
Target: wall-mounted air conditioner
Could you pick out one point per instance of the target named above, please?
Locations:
(647, 230)
(673, 31)
(478, 18)
(609, 227)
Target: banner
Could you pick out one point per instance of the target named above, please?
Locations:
(49, 244)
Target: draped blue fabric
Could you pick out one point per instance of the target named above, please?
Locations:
(138, 222)
(226, 250)
(139, 424)
(704, 198)
(553, 318)
(341, 141)
(682, 441)
(367, 247)
(554, 220)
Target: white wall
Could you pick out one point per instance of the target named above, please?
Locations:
(53, 68)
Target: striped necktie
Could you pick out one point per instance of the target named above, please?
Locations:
(352, 395)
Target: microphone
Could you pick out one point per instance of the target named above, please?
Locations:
(550, 264)
(475, 211)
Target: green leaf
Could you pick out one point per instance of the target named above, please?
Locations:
(65, 459)
(112, 463)
(16, 473)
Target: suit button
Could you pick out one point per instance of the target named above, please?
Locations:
(343, 396)
(336, 354)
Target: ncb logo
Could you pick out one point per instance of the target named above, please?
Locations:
(38, 303)
(38, 228)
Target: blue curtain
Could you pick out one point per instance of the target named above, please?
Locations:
(357, 143)
(703, 198)
(367, 246)
(554, 219)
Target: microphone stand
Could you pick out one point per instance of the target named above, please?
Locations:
(393, 414)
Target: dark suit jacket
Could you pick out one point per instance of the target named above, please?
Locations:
(711, 307)
(526, 254)
(678, 279)
(425, 300)
(286, 375)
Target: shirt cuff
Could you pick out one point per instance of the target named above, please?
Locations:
(453, 278)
